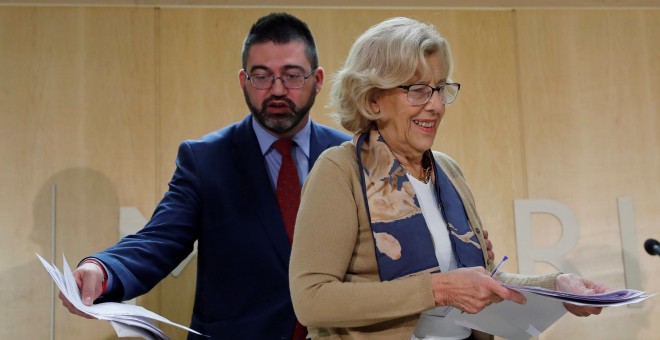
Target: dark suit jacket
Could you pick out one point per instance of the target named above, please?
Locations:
(221, 195)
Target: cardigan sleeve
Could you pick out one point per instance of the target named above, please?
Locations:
(546, 281)
(333, 276)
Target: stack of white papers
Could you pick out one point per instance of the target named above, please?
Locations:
(615, 298)
(544, 307)
(127, 320)
(512, 321)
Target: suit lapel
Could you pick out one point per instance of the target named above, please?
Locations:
(258, 188)
(318, 142)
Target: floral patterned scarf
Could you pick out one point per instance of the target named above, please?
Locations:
(404, 245)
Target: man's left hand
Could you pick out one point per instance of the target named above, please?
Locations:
(489, 246)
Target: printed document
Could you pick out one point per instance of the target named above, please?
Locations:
(127, 320)
(544, 307)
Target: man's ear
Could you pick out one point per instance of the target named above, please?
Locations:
(242, 77)
(319, 75)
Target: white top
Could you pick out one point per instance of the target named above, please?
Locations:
(432, 324)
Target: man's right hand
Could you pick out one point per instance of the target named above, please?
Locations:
(89, 278)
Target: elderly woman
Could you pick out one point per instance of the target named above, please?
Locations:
(387, 236)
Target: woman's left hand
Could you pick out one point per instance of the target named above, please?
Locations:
(572, 283)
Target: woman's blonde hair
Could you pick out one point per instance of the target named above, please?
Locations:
(385, 56)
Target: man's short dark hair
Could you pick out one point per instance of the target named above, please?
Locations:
(281, 28)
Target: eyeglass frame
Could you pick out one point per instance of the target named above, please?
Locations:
(281, 78)
(433, 89)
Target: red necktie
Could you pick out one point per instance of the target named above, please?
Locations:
(288, 199)
(288, 186)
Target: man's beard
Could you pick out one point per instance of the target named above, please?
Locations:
(280, 123)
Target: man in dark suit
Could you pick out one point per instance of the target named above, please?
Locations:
(223, 194)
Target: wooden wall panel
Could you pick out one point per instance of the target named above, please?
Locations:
(589, 93)
(347, 3)
(77, 111)
(555, 104)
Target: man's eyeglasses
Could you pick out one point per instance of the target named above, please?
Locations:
(289, 80)
(419, 94)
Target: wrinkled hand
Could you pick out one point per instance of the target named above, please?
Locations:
(89, 278)
(470, 290)
(575, 284)
(489, 246)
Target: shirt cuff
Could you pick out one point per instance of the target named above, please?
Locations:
(107, 285)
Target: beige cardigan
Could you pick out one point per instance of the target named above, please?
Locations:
(335, 286)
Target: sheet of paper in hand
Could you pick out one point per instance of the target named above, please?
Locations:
(127, 320)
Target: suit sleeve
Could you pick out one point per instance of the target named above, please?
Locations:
(138, 262)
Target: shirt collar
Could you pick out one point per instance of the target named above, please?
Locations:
(266, 140)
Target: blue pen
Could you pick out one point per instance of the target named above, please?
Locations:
(499, 265)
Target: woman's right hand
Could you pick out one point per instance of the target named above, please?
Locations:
(470, 290)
